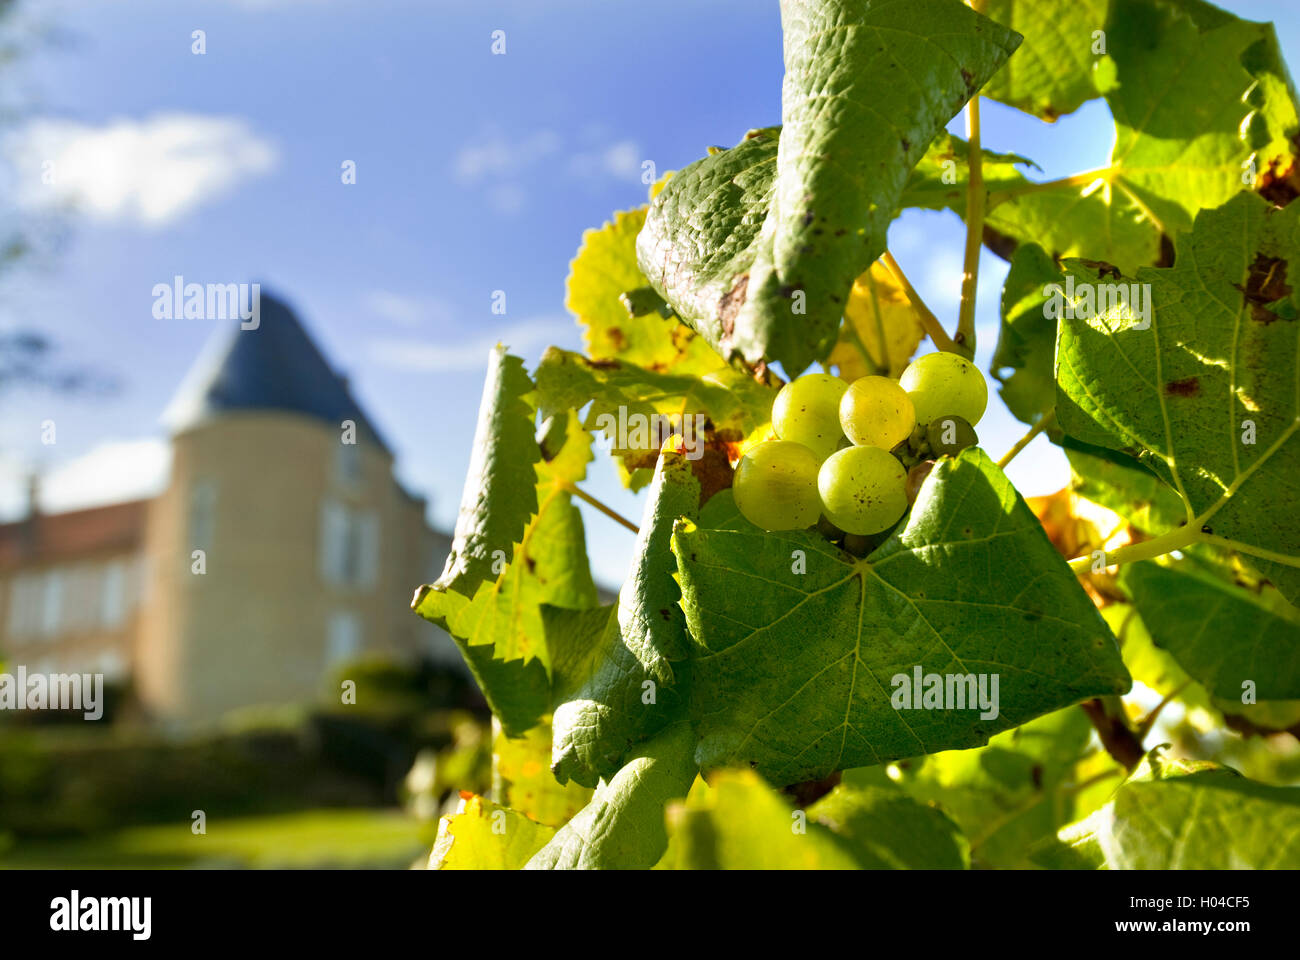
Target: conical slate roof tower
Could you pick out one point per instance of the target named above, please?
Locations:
(275, 366)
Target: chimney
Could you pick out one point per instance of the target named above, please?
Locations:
(33, 495)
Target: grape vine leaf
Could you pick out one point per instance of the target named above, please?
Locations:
(1212, 369)
(881, 328)
(522, 768)
(885, 829)
(472, 838)
(1023, 360)
(940, 180)
(1156, 668)
(1097, 222)
(623, 825)
(840, 172)
(702, 230)
(1051, 74)
(492, 608)
(1195, 616)
(741, 823)
(600, 722)
(605, 268)
(630, 406)
(729, 247)
(1209, 818)
(1203, 107)
(792, 674)
(1009, 794)
(1191, 115)
(499, 493)
(1123, 485)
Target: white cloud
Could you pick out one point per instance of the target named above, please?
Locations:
(422, 356)
(151, 171)
(111, 472)
(497, 157)
(407, 311)
(507, 198)
(502, 166)
(621, 160)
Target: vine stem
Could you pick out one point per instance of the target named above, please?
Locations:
(929, 322)
(1120, 740)
(613, 515)
(975, 206)
(1045, 421)
(1175, 539)
(1047, 186)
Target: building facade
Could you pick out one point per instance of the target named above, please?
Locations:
(281, 547)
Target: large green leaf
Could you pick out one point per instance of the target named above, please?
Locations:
(792, 671)
(840, 172)
(623, 825)
(1051, 74)
(1222, 635)
(603, 270)
(498, 496)
(1019, 788)
(521, 773)
(632, 690)
(1184, 390)
(885, 829)
(1209, 819)
(741, 823)
(498, 627)
(1203, 108)
(1121, 484)
(940, 179)
(700, 236)
(895, 72)
(1023, 361)
(1101, 223)
(1189, 110)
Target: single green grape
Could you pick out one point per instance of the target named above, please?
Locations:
(943, 385)
(806, 411)
(876, 412)
(776, 486)
(949, 436)
(863, 489)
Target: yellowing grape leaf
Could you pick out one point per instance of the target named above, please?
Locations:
(602, 271)
(881, 328)
(483, 835)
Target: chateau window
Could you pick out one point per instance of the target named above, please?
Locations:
(342, 637)
(113, 597)
(51, 603)
(347, 466)
(349, 545)
(203, 510)
(25, 598)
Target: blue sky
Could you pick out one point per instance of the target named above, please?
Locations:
(475, 173)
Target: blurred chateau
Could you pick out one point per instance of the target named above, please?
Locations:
(277, 551)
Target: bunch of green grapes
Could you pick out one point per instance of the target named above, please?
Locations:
(843, 449)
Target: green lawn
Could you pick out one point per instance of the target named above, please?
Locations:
(315, 838)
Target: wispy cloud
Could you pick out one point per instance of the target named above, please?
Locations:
(151, 171)
(497, 157)
(407, 311)
(111, 472)
(503, 167)
(424, 356)
(621, 160)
